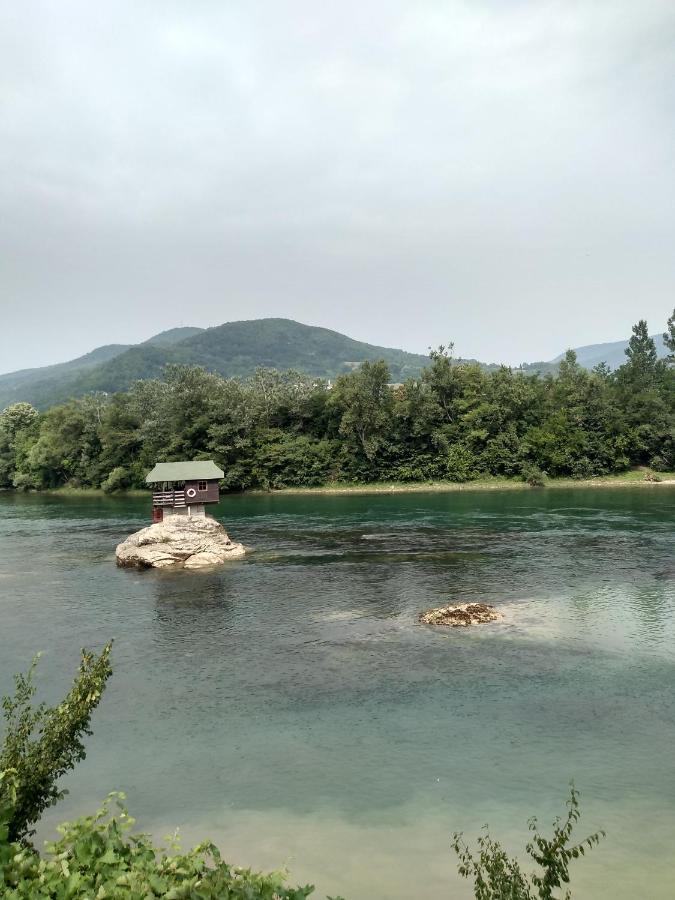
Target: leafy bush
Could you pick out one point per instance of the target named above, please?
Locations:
(496, 876)
(24, 481)
(42, 743)
(291, 460)
(98, 856)
(659, 464)
(533, 476)
(460, 463)
(419, 467)
(117, 480)
(582, 468)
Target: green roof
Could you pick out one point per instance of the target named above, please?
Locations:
(195, 470)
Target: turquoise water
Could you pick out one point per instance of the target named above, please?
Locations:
(290, 707)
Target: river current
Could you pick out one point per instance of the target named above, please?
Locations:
(290, 707)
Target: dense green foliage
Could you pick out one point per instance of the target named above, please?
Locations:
(455, 421)
(496, 876)
(42, 743)
(98, 856)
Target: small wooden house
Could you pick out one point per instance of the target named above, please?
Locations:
(183, 488)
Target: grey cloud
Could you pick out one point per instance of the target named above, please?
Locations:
(499, 174)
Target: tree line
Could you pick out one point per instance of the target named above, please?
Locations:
(455, 422)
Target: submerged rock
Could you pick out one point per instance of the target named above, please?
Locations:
(181, 541)
(460, 615)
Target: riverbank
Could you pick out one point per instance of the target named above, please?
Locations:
(635, 477)
(69, 491)
(625, 479)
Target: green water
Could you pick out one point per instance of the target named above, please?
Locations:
(290, 707)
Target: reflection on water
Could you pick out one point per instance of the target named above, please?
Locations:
(291, 706)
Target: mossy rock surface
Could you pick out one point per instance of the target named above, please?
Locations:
(460, 615)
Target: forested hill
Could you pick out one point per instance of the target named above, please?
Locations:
(47, 385)
(238, 349)
(456, 422)
(233, 349)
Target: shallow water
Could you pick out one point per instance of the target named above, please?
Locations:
(289, 706)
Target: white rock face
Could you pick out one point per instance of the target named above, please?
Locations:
(181, 541)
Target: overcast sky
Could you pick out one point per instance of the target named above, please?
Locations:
(500, 174)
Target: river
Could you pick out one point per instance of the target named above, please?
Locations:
(290, 707)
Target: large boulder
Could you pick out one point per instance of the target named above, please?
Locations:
(180, 541)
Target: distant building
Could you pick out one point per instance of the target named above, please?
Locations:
(183, 488)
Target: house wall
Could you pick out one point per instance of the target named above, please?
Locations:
(210, 495)
(191, 511)
(170, 511)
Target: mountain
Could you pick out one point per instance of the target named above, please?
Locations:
(237, 349)
(47, 385)
(29, 384)
(173, 336)
(614, 353)
(233, 349)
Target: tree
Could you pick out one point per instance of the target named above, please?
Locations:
(642, 358)
(67, 448)
(364, 402)
(644, 387)
(43, 743)
(16, 417)
(441, 376)
(496, 876)
(18, 431)
(669, 338)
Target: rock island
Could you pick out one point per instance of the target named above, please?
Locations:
(181, 535)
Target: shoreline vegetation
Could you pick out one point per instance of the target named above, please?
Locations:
(626, 479)
(641, 477)
(455, 427)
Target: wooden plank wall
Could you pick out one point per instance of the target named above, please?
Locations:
(210, 495)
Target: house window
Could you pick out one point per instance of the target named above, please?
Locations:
(201, 485)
